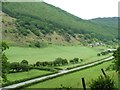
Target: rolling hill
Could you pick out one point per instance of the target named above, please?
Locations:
(110, 21)
(33, 23)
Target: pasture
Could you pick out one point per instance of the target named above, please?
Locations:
(74, 79)
(24, 75)
(17, 54)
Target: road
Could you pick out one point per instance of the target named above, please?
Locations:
(56, 74)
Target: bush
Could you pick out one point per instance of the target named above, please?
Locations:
(39, 44)
(102, 83)
(98, 54)
(18, 67)
(24, 62)
(60, 61)
(75, 60)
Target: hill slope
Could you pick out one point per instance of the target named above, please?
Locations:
(111, 21)
(44, 22)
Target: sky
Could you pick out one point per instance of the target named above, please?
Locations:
(88, 9)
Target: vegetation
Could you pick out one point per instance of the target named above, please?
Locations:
(116, 54)
(110, 22)
(117, 59)
(74, 79)
(4, 61)
(75, 60)
(102, 83)
(23, 75)
(40, 25)
(66, 52)
(18, 67)
(46, 19)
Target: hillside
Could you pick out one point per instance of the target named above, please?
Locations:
(111, 21)
(28, 23)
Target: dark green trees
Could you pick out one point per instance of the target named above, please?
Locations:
(24, 62)
(4, 62)
(116, 54)
(17, 67)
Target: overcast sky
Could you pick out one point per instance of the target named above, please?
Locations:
(88, 9)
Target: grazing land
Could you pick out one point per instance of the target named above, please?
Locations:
(74, 79)
(24, 75)
(51, 53)
(44, 39)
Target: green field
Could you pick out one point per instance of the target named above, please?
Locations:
(24, 75)
(17, 54)
(74, 79)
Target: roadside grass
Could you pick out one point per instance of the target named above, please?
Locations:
(74, 79)
(24, 75)
(17, 54)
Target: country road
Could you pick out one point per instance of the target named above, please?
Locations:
(57, 74)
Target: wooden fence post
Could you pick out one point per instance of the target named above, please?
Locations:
(103, 72)
(83, 83)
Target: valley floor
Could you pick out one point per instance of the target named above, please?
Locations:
(74, 79)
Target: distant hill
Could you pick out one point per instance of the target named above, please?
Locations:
(111, 21)
(27, 23)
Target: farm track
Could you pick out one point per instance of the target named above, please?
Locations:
(62, 72)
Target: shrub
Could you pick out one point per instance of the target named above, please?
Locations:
(75, 60)
(37, 44)
(24, 62)
(102, 83)
(98, 54)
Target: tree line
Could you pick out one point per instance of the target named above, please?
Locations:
(58, 62)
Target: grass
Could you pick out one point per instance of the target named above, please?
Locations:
(74, 79)
(51, 53)
(23, 75)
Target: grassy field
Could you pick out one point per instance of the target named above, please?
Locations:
(23, 75)
(51, 53)
(74, 79)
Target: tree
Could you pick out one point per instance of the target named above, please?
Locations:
(37, 63)
(5, 64)
(75, 60)
(64, 61)
(116, 54)
(15, 66)
(71, 61)
(38, 44)
(24, 67)
(4, 46)
(60, 61)
(24, 62)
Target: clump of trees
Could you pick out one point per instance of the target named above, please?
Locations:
(103, 53)
(58, 62)
(75, 60)
(17, 67)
